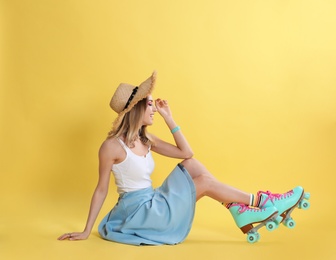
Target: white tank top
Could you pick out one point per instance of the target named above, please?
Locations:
(134, 172)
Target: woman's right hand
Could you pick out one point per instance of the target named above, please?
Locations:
(163, 108)
(74, 236)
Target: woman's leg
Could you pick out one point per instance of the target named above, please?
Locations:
(269, 205)
(207, 185)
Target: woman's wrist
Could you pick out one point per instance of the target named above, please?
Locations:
(175, 129)
(87, 231)
(170, 122)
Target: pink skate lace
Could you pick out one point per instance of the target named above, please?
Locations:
(243, 208)
(274, 196)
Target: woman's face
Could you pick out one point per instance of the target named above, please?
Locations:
(149, 112)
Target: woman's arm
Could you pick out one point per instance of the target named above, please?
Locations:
(106, 160)
(181, 149)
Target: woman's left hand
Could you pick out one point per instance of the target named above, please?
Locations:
(163, 108)
(74, 236)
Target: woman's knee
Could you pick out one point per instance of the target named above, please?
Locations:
(188, 162)
(192, 167)
(195, 168)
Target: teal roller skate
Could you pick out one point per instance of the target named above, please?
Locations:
(285, 203)
(245, 216)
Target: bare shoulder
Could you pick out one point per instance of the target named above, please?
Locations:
(110, 149)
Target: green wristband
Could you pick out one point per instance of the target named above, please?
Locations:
(175, 129)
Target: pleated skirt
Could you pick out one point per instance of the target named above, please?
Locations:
(153, 216)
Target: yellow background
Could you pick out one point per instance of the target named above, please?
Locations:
(251, 83)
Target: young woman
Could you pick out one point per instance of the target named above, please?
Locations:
(164, 215)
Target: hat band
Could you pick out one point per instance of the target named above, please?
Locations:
(135, 90)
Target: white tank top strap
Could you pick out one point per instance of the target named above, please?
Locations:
(126, 147)
(122, 143)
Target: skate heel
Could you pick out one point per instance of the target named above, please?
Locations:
(245, 218)
(271, 223)
(247, 228)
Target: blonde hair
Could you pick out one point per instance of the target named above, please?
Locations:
(131, 127)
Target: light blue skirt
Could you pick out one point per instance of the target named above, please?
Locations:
(153, 217)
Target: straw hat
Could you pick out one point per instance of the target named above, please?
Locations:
(127, 96)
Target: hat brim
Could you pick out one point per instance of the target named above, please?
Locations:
(145, 88)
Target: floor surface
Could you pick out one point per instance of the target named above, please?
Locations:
(31, 233)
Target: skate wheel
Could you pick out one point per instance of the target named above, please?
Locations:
(290, 223)
(252, 238)
(304, 204)
(270, 226)
(307, 195)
